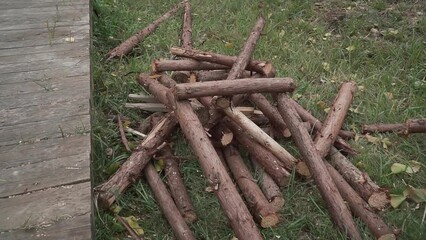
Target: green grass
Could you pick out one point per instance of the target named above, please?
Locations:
(309, 41)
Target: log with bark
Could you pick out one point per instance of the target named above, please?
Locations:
(411, 126)
(166, 204)
(262, 211)
(132, 168)
(231, 202)
(214, 75)
(127, 46)
(340, 214)
(186, 36)
(184, 65)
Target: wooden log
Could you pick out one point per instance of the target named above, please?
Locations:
(126, 47)
(334, 121)
(166, 204)
(264, 68)
(229, 199)
(142, 98)
(184, 65)
(176, 186)
(360, 208)
(269, 188)
(150, 107)
(262, 211)
(146, 125)
(244, 57)
(340, 214)
(215, 75)
(265, 158)
(237, 86)
(131, 169)
(186, 36)
(376, 197)
(411, 126)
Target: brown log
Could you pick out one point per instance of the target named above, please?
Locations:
(237, 86)
(229, 199)
(263, 212)
(360, 208)
(166, 204)
(245, 55)
(376, 197)
(186, 36)
(122, 134)
(184, 65)
(132, 168)
(214, 75)
(264, 68)
(411, 126)
(220, 133)
(259, 119)
(147, 124)
(265, 158)
(269, 187)
(340, 214)
(143, 98)
(177, 187)
(127, 46)
(334, 121)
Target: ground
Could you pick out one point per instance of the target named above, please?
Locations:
(378, 44)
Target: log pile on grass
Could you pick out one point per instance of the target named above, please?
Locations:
(204, 100)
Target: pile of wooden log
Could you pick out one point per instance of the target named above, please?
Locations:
(206, 96)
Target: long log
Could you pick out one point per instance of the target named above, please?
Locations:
(132, 168)
(269, 188)
(411, 126)
(177, 187)
(214, 75)
(336, 206)
(126, 47)
(229, 199)
(237, 86)
(184, 65)
(186, 36)
(263, 212)
(166, 204)
(264, 68)
(334, 121)
(265, 158)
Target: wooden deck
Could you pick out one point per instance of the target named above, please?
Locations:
(45, 186)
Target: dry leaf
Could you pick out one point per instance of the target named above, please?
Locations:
(326, 66)
(159, 165)
(396, 200)
(398, 168)
(413, 167)
(115, 208)
(133, 223)
(351, 48)
(418, 195)
(372, 139)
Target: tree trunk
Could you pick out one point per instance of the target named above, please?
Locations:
(263, 212)
(132, 168)
(335, 204)
(184, 65)
(334, 121)
(126, 47)
(237, 86)
(411, 126)
(166, 204)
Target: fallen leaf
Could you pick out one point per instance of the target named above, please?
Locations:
(374, 140)
(133, 223)
(389, 95)
(418, 195)
(229, 45)
(159, 165)
(351, 48)
(322, 105)
(386, 143)
(413, 167)
(326, 66)
(112, 168)
(116, 209)
(398, 168)
(393, 31)
(396, 200)
(282, 33)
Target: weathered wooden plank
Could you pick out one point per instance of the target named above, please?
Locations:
(50, 128)
(76, 228)
(38, 26)
(44, 207)
(17, 4)
(46, 174)
(45, 150)
(57, 51)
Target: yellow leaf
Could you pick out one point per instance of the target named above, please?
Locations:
(418, 195)
(327, 110)
(229, 45)
(159, 165)
(396, 200)
(351, 48)
(322, 105)
(413, 167)
(115, 208)
(389, 95)
(398, 168)
(393, 31)
(133, 223)
(386, 143)
(326, 66)
(372, 139)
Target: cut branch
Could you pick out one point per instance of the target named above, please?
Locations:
(126, 47)
(263, 212)
(411, 126)
(334, 121)
(184, 65)
(205, 76)
(334, 201)
(186, 36)
(237, 86)
(166, 204)
(132, 168)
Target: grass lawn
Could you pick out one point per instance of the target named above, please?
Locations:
(379, 44)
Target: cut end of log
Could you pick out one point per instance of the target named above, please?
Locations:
(222, 102)
(268, 221)
(286, 133)
(303, 169)
(389, 236)
(181, 77)
(277, 203)
(227, 138)
(154, 66)
(379, 200)
(269, 70)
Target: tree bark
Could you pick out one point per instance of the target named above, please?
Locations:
(334, 121)
(411, 126)
(126, 47)
(177, 187)
(186, 36)
(149, 107)
(264, 68)
(132, 168)
(231, 202)
(263, 212)
(335, 204)
(184, 65)
(237, 86)
(166, 204)
(269, 187)
(266, 159)
(376, 197)
(215, 75)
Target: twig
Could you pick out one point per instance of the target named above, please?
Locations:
(122, 134)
